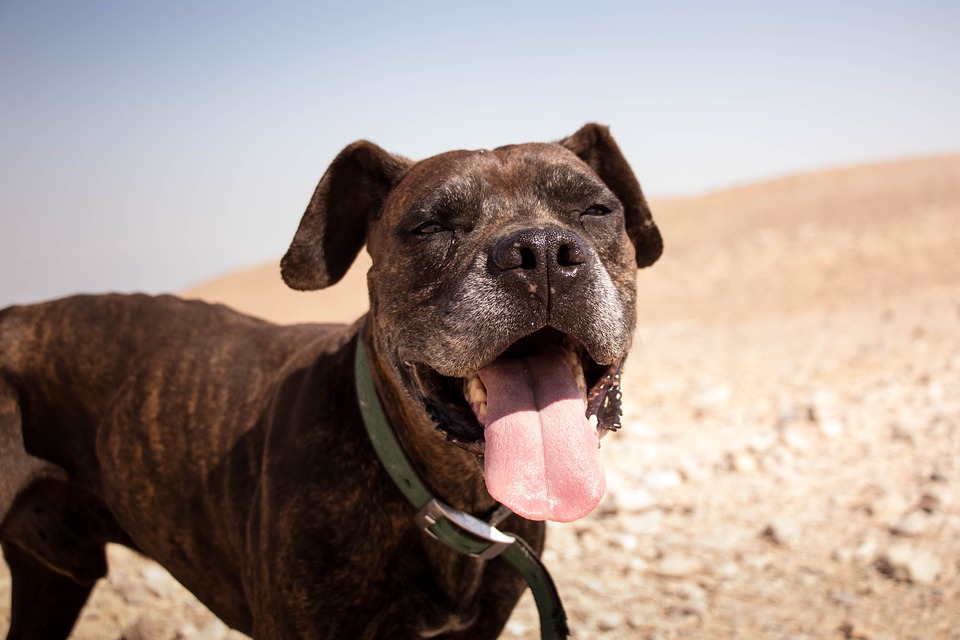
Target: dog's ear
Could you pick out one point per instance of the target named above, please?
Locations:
(594, 145)
(349, 196)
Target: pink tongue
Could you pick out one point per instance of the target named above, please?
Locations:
(542, 456)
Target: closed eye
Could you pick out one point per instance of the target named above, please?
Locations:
(428, 228)
(596, 210)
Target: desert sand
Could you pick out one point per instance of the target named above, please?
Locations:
(789, 465)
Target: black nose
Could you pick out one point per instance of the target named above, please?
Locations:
(547, 255)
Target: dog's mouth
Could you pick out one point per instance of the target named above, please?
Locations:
(534, 416)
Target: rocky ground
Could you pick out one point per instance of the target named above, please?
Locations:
(789, 465)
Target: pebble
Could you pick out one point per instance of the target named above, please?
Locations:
(831, 427)
(663, 479)
(631, 501)
(610, 621)
(677, 565)
(844, 598)
(794, 437)
(132, 590)
(517, 628)
(916, 523)
(888, 507)
(709, 398)
(935, 498)
(742, 462)
(693, 595)
(910, 564)
(648, 523)
(782, 531)
(156, 579)
(151, 625)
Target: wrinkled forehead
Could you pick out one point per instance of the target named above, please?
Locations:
(460, 177)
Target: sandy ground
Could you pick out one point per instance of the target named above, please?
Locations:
(789, 465)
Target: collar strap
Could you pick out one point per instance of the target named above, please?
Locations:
(457, 529)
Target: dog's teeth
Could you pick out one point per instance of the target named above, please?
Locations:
(577, 369)
(475, 391)
(476, 395)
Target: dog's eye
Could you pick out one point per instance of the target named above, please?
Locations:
(427, 228)
(596, 210)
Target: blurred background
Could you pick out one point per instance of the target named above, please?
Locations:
(155, 145)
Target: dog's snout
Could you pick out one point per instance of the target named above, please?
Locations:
(540, 253)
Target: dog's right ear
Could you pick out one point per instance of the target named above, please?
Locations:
(348, 198)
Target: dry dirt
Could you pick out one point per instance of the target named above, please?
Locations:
(789, 465)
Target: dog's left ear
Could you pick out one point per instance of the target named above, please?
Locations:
(350, 195)
(594, 145)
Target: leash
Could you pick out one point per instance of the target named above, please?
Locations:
(457, 529)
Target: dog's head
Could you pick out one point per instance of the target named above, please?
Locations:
(503, 292)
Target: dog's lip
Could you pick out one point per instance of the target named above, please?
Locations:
(455, 404)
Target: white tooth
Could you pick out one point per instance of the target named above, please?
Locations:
(482, 413)
(475, 391)
(576, 367)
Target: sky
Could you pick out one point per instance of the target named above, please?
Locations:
(151, 146)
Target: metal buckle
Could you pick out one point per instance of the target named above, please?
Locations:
(435, 510)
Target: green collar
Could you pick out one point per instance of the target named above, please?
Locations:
(456, 529)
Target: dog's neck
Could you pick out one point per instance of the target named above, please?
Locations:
(452, 474)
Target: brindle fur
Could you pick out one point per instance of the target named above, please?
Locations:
(232, 450)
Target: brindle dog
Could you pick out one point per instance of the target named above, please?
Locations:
(232, 451)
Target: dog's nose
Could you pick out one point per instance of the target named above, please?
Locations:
(534, 254)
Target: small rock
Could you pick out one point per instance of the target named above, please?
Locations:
(856, 631)
(212, 629)
(742, 462)
(132, 590)
(634, 500)
(824, 405)
(844, 598)
(156, 579)
(662, 479)
(794, 438)
(728, 570)
(831, 427)
(888, 507)
(517, 628)
(151, 625)
(782, 531)
(610, 621)
(693, 594)
(677, 565)
(908, 564)
(625, 541)
(915, 523)
(648, 523)
(934, 498)
(693, 470)
(710, 398)
(867, 549)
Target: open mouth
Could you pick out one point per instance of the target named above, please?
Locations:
(458, 406)
(534, 417)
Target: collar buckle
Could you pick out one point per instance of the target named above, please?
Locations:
(461, 531)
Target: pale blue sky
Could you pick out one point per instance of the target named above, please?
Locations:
(153, 145)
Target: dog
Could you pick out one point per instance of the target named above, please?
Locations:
(233, 451)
